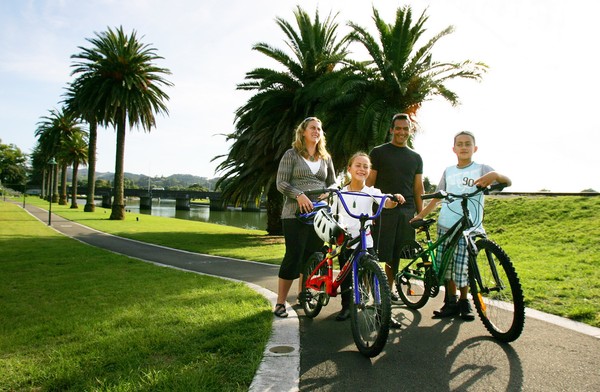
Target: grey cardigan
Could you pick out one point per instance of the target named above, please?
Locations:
(294, 177)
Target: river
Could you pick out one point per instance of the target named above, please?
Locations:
(229, 217)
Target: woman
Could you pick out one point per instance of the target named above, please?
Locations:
(305, 166)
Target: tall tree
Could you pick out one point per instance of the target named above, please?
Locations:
(399, 75)
(75, 152)
(265, 124)
(76, 98)
(122, 86)
(53, 132)
(13, 165)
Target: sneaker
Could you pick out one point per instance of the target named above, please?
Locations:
(448, 310)
(465, 310)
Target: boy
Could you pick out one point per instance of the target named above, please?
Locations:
(462, 178)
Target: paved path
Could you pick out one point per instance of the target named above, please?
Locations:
(552, 354)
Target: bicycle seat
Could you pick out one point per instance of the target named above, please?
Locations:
(422, 223)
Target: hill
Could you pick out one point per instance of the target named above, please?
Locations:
(132, 180)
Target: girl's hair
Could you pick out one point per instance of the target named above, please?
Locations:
(356, 155)
(347, 177)
(298, 143)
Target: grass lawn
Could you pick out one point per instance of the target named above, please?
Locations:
(554, 243)
(74, 317)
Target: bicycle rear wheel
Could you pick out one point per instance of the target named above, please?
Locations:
(370, 318)
(413, 284)
(311, 297)
(497, 292)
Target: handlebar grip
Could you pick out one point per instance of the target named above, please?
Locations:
(497, 187)
(436, 195)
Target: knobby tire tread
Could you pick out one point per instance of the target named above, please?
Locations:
(515, 302)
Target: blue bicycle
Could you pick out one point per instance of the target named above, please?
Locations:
(371, 307)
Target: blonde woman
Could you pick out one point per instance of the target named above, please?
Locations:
(305, 166)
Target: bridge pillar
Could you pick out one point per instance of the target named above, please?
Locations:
(106, 200)
(182, 203)
(216, 204)
(145, 202)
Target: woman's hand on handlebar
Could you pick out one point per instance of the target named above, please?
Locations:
(304, 203)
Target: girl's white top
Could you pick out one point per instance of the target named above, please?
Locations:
(358, 205)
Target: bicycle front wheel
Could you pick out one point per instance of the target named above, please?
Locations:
(497, 292)
(312, 284)
(370, 317)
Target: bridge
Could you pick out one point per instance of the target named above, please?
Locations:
(182, 198)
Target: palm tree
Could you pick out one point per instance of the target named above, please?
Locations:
(74, 152)
(54, 131)
(119, 85)
(265, 124)
(75, 100)
(39, 168)
(398, 77)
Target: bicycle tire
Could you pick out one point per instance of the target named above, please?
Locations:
(311, 299)
(413, 285)
(499, 302)
(370, 319)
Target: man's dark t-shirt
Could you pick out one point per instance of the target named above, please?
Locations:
(396, 169)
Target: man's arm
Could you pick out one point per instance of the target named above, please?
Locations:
(418, 190)
(372, 178)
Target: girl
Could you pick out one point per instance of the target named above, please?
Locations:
(359, 168)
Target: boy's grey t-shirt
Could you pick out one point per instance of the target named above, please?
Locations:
(462, 180)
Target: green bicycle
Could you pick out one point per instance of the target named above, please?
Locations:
(494, 283)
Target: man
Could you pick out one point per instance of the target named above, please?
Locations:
(396, 168)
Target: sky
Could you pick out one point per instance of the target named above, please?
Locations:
(535, 113)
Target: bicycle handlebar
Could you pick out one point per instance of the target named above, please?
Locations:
(341, 194)
(447, 195)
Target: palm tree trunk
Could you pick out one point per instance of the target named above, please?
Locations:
(274, 206)
(74, 185)
(63, 185)
(118, 207)
(90, 205)
(44, 179)
(54, 184)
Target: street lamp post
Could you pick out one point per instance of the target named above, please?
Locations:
(52, 163)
